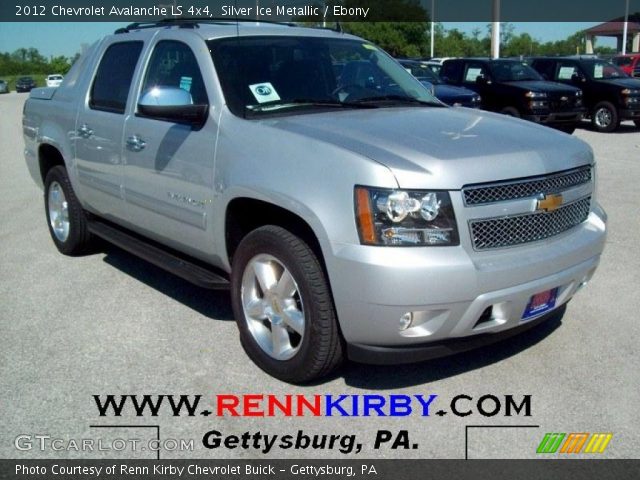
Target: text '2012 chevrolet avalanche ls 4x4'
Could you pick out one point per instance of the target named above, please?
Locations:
(351, 217)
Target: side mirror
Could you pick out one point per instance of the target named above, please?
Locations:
(482, 80)
(172, 104)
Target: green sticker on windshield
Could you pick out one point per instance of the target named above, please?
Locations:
(368, 46)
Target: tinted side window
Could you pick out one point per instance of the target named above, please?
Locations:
(473, 71)
(173, 64)
(623, 61)
(451, 70)
(545, 68)
(566, 70)
(113, 79)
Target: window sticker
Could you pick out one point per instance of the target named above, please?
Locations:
(566, 73)
(473, 74)
(185, 83)
(368, 46)
(598, 71)
(264, 92)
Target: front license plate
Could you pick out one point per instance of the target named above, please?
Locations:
(540, 303)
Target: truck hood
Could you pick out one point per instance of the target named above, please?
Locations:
(622, 82)
(543, 86)
(443, 148)
(444, 91)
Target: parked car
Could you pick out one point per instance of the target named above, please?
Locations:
(435, 67)
(454, 96)
(357, 218)
(629, 64)
(513, 88)
(25, 84)
(609, 94)
(4, 87)
(54, 80)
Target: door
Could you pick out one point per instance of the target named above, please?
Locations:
(99, 126)
(169, 165)
(570, 73)
(476, 77)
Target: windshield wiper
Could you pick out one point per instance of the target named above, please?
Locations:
(308, 103)
(395, 99)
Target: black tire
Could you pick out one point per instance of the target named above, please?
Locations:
(605, 118)
(510, 111)
(320, 348)
(79, 239)
(637, 122)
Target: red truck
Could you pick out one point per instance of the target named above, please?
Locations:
(630, 64)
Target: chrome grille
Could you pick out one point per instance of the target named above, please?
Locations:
(513, 190)
(516, 230)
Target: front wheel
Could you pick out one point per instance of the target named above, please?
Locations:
(65, 215)
(604, 117)
(283, 306)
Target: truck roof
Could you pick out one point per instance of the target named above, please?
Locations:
(219, 28)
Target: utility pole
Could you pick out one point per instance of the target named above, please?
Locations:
(433, 25)
(626, 29)
(495, 30)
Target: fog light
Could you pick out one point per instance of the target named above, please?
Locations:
(406, 320)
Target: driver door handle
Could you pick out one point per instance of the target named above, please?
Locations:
(85, 131)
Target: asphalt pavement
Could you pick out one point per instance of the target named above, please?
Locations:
(109, 323)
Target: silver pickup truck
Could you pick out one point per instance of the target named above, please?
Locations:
(348, 211)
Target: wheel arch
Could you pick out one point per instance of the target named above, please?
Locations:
(49, 156)
(246, 213)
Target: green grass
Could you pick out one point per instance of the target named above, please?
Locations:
(11, 79)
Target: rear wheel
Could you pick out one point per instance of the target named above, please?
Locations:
(65, 217)
(604, 117)
(283, 306)
(511, 111)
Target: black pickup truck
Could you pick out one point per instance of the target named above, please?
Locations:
(513, 88)
(610, 95)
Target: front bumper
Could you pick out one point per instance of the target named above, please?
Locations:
(629, 114)
(557, 117)
(454, 292)
(375, 355)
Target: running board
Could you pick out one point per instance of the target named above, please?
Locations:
(181, 267)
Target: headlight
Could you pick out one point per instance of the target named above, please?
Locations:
(535, 95)
(579, 93)
(476, 99)
(630, 91)
(405, 217)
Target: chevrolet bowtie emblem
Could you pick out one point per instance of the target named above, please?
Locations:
(549, 202)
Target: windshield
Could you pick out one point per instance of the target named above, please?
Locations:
(601, 70)
(285, 75)
(421, 72)
(513, 72)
